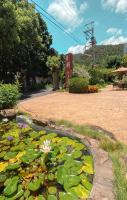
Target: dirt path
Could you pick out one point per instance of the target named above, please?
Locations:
(106, 109)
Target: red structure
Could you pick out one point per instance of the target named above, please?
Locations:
(69, 67)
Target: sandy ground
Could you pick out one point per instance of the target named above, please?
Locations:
(106, 109)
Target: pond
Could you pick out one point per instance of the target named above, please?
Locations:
(36, 165)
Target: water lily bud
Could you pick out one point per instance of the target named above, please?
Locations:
(5, 120)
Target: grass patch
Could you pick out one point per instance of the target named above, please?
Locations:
(84, 130)
(116, 151)
(110, 145)
(120, 182)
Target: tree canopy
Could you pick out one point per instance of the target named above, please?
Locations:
(124, 60)
(24, 41)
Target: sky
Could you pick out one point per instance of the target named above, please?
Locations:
(110, 17)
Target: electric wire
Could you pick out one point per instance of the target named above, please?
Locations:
(56, 23)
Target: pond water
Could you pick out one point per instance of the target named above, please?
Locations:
(42, 166)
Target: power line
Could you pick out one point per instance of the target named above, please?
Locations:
(72, 13)
(56, 23)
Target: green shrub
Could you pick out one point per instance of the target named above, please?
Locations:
(9, 95)
(81, 72)
(96, 76)
(78, 85)
(124, 81)
(101, 75)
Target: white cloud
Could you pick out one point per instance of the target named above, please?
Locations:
(76, 49)
(83, 7)
(67, 12)
(116, 37)
(115, 40)
(113, 31)
(79, 49)
(119, 6)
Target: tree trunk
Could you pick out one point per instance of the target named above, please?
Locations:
(56, 79)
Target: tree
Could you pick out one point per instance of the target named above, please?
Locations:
(62, 70)
(113, 61)
(124, 60)
(28, 45)
(8, 37)
(54, 64)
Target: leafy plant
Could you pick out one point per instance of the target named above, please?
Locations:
(78, 85)
(9, 95)
(124, 81)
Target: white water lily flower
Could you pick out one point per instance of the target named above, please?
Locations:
(5, 120)
(45, 147)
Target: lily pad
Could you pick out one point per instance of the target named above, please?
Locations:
(2, 178)
(70, 181)
(67, 196)
(52, 197)
(11, 186)
(80, 191)
(52, 190)
(34, 185)
(10, 155)
(13, 166)
(40, 197)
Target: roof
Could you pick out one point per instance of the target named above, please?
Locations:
(120, 70)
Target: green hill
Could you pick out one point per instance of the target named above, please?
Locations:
(101, 52)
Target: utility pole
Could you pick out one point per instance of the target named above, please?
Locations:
(90, 39)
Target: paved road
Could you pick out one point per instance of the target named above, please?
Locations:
(36, 94)
(106, 109)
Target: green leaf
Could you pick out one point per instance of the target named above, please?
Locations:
(2, 178)
(61, 174)
(42, 132)
(41, 177)
(52, 190)
(19, 193)
(80, 146)
(76, 154)
(2, 154)
(42, 160)
(80, 191)
(30, 156)
(50, 177)
(67, 196)
(88, 165)
(13, 166)
(40, 197)
(52, 197)
(11, 186)
(10, 155)
(33, 134)
(70, 181)
(74, 166)
(2, 198)
(85, 182)
(31, 198)
(67, 179)
(26, 194)
(34, 185)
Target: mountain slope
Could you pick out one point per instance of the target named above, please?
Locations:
(100, 52)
